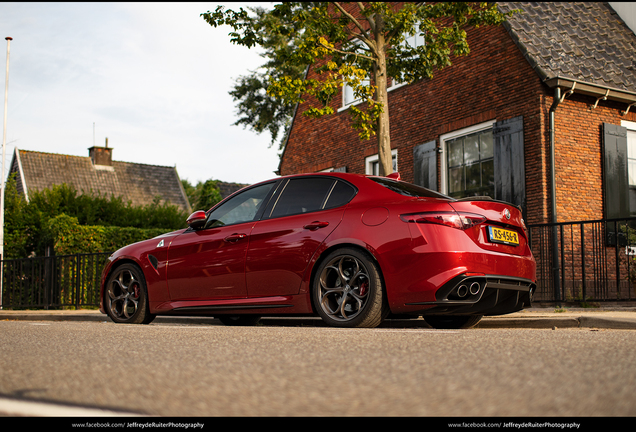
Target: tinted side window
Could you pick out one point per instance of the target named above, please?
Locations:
(241, 208)
(302, 196)
(341, 194)
(311, 194)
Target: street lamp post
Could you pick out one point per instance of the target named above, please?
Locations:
(2, 182)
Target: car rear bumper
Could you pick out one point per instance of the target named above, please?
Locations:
(479, 295)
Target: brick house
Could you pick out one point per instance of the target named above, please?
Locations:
(541, 114)
(509, 82)
(98, 173)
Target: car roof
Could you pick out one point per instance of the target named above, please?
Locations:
(362, 181)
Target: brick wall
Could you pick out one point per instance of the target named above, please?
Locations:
(494, 82)
(578, 154)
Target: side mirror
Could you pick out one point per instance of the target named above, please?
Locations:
(197, 219)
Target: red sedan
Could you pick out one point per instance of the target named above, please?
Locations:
(351, 248)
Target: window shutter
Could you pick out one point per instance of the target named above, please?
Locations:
(425, 165)
(509, 162)
(615, 175)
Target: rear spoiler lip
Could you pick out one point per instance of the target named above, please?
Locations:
(487, 198)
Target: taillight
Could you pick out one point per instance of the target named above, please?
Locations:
(457, 220)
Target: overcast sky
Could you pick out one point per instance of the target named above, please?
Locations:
(152, 77)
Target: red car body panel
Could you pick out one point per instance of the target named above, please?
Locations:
(267, 266)
(280, 251)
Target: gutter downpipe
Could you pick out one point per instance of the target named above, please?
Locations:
(556, 278)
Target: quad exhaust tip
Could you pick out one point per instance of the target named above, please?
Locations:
(463, 290)
(474, 288)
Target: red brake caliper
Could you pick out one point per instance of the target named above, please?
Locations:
(364, 287)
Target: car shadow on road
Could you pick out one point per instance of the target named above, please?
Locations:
(317, 322)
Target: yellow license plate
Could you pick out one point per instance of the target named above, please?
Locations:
(500, 235)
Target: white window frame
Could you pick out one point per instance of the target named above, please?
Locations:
(345, 89)
(452, 135)
(370, 161)
(631, 133)
(417, 41)
(366, 81)
(628, 124)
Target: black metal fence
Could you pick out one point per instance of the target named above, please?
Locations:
(52, 282)
(585, 261)
(576, 262)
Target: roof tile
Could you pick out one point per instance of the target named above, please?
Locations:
(139, 183)
(599, 48)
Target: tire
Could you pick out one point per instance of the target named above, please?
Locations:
(239, 320)
(126, 296)
(452, 322)
(348, 290)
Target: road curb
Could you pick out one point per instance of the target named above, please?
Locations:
(533, 322)
(573, 320)
(610, 323)
(582, 321)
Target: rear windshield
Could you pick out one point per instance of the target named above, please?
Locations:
(408, 189)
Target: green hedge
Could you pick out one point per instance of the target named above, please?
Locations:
(69, 237)
(79, 223)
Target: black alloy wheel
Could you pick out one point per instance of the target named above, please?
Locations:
(126, 296)
(348, 290)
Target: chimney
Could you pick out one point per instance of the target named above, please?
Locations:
(101, 155)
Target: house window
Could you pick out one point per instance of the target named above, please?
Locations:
(372, 163)
(413, 42)
(467, 162)
(348, 97)
(416, 40)
(342, 169)
(631, 163)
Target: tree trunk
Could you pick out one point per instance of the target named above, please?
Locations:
(385, 161)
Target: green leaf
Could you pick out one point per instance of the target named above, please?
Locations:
(297, 35)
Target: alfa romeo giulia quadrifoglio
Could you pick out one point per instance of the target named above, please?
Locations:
(352, 249)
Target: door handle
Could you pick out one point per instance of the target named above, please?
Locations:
(316, 225)
(235, 237)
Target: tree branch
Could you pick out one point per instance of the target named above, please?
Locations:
(373, 59)
(363, 33)
(370, 21)
(348, 15)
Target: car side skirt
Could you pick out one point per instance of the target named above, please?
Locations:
(284, 305)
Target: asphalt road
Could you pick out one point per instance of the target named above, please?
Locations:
(213, 370)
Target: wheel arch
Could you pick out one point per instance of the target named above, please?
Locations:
(114, 266)
(140, 299)
(334, 247)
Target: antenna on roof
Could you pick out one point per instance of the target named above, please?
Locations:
(93, 134)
